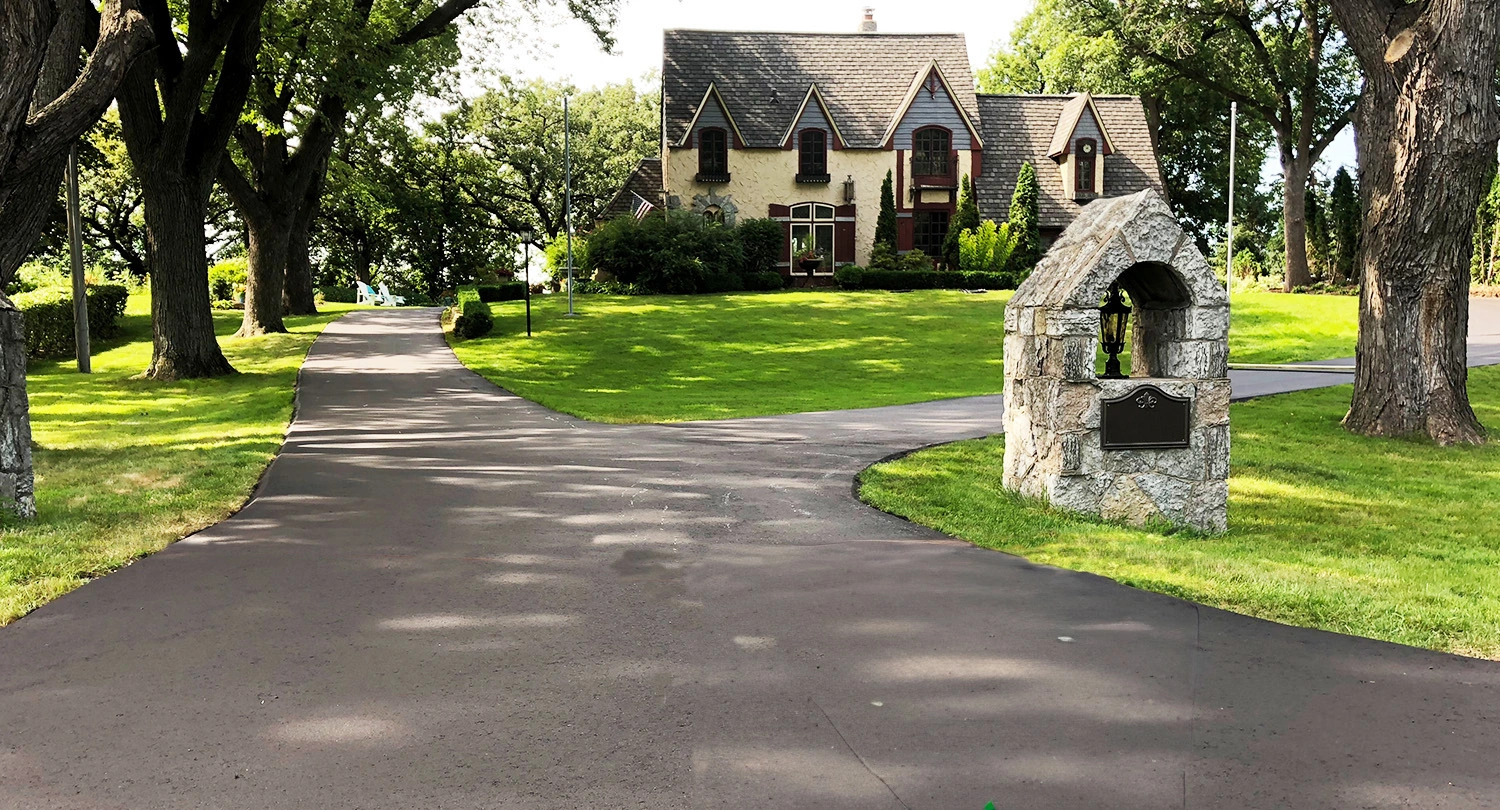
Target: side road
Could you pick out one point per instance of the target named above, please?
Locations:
(445, 596)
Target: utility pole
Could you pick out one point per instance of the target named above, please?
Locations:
(568, 196)
(80, 288)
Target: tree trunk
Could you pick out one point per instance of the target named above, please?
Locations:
(1426, 132)
(300, 293)
(265, 275)
(1294, 220)
(17, 487)
(184, 344)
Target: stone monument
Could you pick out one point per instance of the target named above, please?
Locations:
(1150, 445)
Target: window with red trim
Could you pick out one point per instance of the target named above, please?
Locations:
(1083, 175)
(931, 152)
(812, 156)
(713, 154)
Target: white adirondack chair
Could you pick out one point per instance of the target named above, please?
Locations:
(390, 299)
(366, 294)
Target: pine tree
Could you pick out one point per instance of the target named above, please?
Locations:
(967, 219)
(885, 224)
(1344, 222)
(1023, 221)
(1319, 243)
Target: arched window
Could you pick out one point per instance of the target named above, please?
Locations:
(930, 152)
(812, 229)
(713, 156)
(812, 157)
(1083, 171)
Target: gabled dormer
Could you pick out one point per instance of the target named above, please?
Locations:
(812, 133)
(713, 133)
(1080, 145)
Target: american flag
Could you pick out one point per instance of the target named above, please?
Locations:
(643, 206)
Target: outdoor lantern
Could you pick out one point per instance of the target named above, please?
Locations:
(1114, 320)
(849, 190)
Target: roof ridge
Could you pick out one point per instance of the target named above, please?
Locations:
(1053, 95)
(873, 35)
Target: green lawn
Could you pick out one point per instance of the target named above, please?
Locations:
(675, 358)
(1396, 540)
(125, 466)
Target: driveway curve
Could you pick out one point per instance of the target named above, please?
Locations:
(445, 596)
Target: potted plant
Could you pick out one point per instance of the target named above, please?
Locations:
(810, 259)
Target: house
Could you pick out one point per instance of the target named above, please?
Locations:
(803, 128)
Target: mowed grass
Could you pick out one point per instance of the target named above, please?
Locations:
(1390, 539)
(676, 358)
(125, 466)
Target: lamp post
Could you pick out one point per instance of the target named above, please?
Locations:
(1114, 317)
(526, 236)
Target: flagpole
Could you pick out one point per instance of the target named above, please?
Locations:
(568, 196)
(1234, 111)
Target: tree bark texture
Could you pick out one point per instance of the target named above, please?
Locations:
(177, 144)
(1294, 173)
(183, 341)
(301, 295)
(265, 275)
(45, 105)
(1426, 131)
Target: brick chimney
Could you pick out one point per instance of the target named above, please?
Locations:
(867, 25)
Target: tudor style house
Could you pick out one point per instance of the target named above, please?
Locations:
(803, 128)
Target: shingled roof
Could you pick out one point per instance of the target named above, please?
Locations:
(1021, 128)
(763, 78)
(645, 181)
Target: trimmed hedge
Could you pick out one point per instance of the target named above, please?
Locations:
(852, 277)
(339, 295)
(504, 291)
(49, 317)
(474, 318)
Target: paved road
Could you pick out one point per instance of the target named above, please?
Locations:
(448, 597)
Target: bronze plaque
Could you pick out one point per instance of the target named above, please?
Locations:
(1147, 418)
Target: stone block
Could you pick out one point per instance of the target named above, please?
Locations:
(1207, 508)
(1112, 259)
(1078, 493)
(1206, 288)
(1078, 356)
(1212, 443)
(1076, 406)
(1073, 322)
(1199, 359)
(1211, 406)
(1154, 237)
(1207, 323)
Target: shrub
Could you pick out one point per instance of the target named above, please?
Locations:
(885, 223)
(339, 295)
(851, 277)
(761, 240)
(610, 287)
(226, 278)
(987, 248)
(671, 254)
(722, 283)
(505, 291)
(1024, 221)
(49, 317)
(765, 280)
(474, 318)
(36, 276)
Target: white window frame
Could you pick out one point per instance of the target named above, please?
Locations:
(812, 218)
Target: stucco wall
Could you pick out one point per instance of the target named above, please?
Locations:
(762, 177)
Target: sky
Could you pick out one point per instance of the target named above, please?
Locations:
(560, 48)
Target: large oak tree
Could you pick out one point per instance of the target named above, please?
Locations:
(46, 103)
(1426, 130)
(177, 112)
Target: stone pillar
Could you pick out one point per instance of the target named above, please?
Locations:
(16, 484)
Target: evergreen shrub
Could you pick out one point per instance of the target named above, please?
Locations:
(504, 291)
(49, 317)
(474, 318)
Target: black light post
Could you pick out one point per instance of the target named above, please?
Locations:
(526, 237)
(1114, 318)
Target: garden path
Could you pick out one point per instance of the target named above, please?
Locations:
(444, 596)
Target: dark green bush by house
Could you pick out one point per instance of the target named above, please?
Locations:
(680, 252)
(49, 317)
(504, 291)
(762, 241)
(765, 280)
(339, 295)
(474, 318)
(851, 277)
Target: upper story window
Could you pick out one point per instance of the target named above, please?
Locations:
(812, 157)
(713, 156)
(931, 153)
(1083, 171)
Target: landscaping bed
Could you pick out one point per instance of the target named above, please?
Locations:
(1390, 539)
(675, 358)
(125, 466)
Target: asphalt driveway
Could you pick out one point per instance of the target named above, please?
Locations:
(444, 596)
